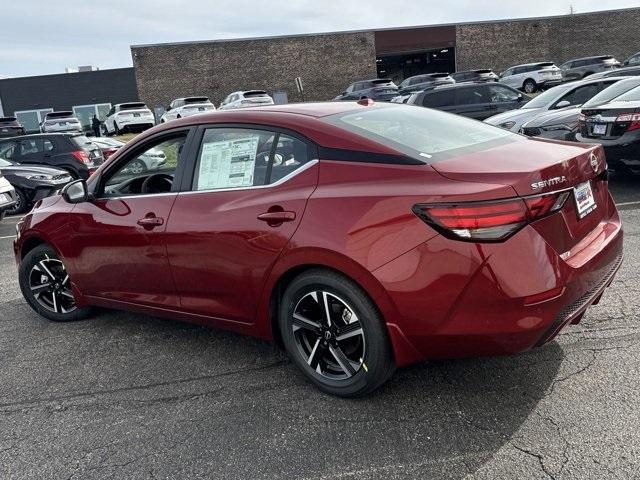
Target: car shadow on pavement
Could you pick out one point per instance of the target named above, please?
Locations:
(139, 396)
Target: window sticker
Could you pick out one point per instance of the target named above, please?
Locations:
(228, 163)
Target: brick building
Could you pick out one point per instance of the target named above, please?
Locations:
(329, 62)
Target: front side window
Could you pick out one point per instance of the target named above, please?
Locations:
(581, 94)
(499, 94)
(8, 150)
(241, 158)
(148, 171)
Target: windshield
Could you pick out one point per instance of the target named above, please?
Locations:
(612, 92)
(422, 133)
(547, 97)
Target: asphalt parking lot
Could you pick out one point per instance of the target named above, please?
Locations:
(130, 396)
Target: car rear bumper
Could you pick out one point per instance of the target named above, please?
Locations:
(457, 299)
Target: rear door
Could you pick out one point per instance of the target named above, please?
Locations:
(247, 196)
(474, 102)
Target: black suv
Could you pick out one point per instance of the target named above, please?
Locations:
(74, 153)
(377, 89)
(10, 127)
(473, 100)
(480, 75)
(583, 67)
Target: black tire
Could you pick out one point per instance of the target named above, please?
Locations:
(366, 350)
(62, 310)
(529, 85)
(116, 130)
(21, 205)
(587, 74)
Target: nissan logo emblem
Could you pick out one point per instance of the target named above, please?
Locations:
(593, 160)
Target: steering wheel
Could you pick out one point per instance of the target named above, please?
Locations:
(157, 183)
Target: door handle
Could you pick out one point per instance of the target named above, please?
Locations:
(278, 217)
(150, 222)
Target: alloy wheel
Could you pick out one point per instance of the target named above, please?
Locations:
(49, 284)
(328, 335)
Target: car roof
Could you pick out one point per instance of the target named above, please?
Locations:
(528, 64)
(604, 57)
(301, 118)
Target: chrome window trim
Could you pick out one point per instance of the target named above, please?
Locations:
(284, 179)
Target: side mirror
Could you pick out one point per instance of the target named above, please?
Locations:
(168, 108)
(563, 103)
(520, 97)
(75, 192)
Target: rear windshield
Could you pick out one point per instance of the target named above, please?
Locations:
(132, 106)
(59, 115)
(255, 93)
(630, 96)
(484, 70)
(196, 100)
(611, 92)
(546, 64)
(421, 133)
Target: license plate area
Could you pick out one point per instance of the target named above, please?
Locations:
(599, 129)
(136, 114)
(585, 201)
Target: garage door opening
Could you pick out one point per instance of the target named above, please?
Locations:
(399, 67)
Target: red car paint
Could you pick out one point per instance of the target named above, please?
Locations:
(213, 262)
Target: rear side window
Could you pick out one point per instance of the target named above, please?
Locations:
(438, 99)
(240, 158)
(471, 95)
(31, 146)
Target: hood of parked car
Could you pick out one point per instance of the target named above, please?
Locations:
(16, 169)
(518, 117)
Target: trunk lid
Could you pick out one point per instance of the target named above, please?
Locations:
(601, 122)
(538, 166)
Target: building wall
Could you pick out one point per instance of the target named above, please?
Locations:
(327, 63)
(63, 91)
(499, 45)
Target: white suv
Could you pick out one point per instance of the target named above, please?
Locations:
(532, 76)
(185, 107)
(62, 121)
(128, 117)
(248, 98)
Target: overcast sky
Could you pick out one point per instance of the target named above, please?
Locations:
(45, 36)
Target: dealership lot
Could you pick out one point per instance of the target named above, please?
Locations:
(130, 396)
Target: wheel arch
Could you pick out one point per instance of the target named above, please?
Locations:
(294, 263)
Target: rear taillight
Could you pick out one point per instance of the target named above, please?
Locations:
(82, 156)
(633, 119)
(492, 221)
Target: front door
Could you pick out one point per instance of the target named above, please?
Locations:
(248, 195)
(119, 237)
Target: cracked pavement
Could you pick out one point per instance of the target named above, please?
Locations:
(130, 396)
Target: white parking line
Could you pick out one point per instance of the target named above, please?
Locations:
(5, 238)
(624, 204)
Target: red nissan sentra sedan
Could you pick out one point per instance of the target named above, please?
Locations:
(363, 236)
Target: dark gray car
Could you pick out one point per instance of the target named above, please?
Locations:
(473, 100)
(424, 81)
(377, 89)
(579, 68)
(632, 60)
